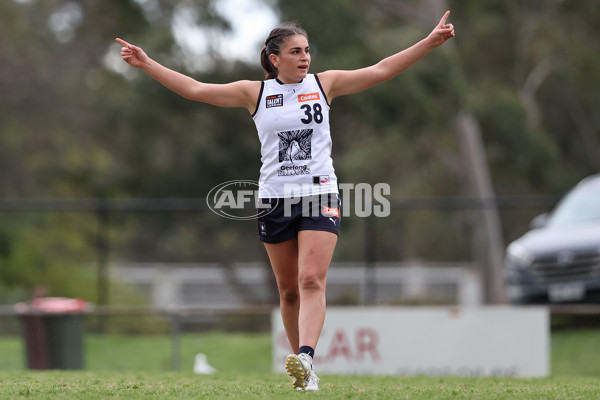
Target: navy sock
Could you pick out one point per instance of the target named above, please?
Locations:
(308, 350)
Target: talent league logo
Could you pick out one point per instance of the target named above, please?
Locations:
(239, 200)
(275, 100)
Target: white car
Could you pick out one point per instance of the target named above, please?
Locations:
(558, 261)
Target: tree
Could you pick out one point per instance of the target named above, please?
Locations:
(74, 126)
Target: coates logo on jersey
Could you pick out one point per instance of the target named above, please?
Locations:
(275, 100)
(308, 97)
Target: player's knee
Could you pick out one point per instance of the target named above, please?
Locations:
(290, 296)
(311, 281)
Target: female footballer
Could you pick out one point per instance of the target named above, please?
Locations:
(291, 111)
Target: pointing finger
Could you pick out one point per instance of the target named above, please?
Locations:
(444, 18)
(122, 42)
(128, 45)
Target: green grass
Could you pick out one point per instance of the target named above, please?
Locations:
(137, 367)
(147, 385)
(153, 353)
(575, 353)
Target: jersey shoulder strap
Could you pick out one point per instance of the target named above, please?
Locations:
(260, 93)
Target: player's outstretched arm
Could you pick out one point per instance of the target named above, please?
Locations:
(235, 94)
(338, 83)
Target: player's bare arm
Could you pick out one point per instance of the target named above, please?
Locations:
(242, 94)
(338, 83)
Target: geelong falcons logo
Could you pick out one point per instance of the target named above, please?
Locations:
(295, 145)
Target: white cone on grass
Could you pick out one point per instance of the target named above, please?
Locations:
(201, 365)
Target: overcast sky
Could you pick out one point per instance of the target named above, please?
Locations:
(251, 22)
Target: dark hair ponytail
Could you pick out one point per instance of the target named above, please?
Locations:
(273, 45)
(270, 70)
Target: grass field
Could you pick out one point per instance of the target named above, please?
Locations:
(252, 385)
(137, 368)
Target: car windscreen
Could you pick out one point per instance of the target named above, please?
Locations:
(580, 206)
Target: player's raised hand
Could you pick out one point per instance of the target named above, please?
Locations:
(442, 31)
(133, 55)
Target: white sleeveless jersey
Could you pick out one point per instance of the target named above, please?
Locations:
(292, 121)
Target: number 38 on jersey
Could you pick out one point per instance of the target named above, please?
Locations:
(312, 113)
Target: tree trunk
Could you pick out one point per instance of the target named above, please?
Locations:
(486, 232)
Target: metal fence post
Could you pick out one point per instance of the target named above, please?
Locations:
(370, 258)
(175, 340)
(102, 246)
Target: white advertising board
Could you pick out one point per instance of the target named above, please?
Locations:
(482, 341)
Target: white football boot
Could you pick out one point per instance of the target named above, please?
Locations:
(299, 366)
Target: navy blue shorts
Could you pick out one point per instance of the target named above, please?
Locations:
(289, 216)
